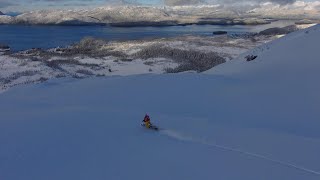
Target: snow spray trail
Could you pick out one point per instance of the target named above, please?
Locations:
(183, 137)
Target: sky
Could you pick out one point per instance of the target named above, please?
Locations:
(26, 5)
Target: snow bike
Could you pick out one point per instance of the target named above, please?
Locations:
(153, 127)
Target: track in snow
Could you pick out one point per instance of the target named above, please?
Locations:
(183, 137)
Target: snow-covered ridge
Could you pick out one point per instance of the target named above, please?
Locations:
(177, 15)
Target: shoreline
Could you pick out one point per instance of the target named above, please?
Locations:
(68, 34)
(95, 57)
(226, 22)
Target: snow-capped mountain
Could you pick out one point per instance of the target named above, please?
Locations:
(140, 15)
(99, 15)
(4, 19)
(244, 120)
(296, 10)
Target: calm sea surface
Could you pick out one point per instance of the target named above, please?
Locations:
(21, 37)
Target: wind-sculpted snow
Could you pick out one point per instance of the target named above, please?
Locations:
(96, 57)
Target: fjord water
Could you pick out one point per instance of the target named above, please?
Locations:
(22, 37)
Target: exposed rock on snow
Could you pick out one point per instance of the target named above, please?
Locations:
(96, 57)
(250, 57)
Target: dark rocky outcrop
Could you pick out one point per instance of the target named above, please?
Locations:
(279, 31)
(1, 13)
(219, 32)
(250, 57)
(4, 48)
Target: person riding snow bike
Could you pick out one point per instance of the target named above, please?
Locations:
(146, 121)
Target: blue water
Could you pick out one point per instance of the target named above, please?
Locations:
(21, 37)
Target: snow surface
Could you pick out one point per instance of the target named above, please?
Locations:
(245, 120)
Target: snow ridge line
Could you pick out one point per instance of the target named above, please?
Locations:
(182, 137)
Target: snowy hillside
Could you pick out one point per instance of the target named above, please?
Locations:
(293, 53)
(246, 120)
(95, 57)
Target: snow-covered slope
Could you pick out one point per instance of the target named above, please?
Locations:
(255, 120)
(292, 53)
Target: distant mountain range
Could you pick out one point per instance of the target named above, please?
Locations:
(166, 16)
